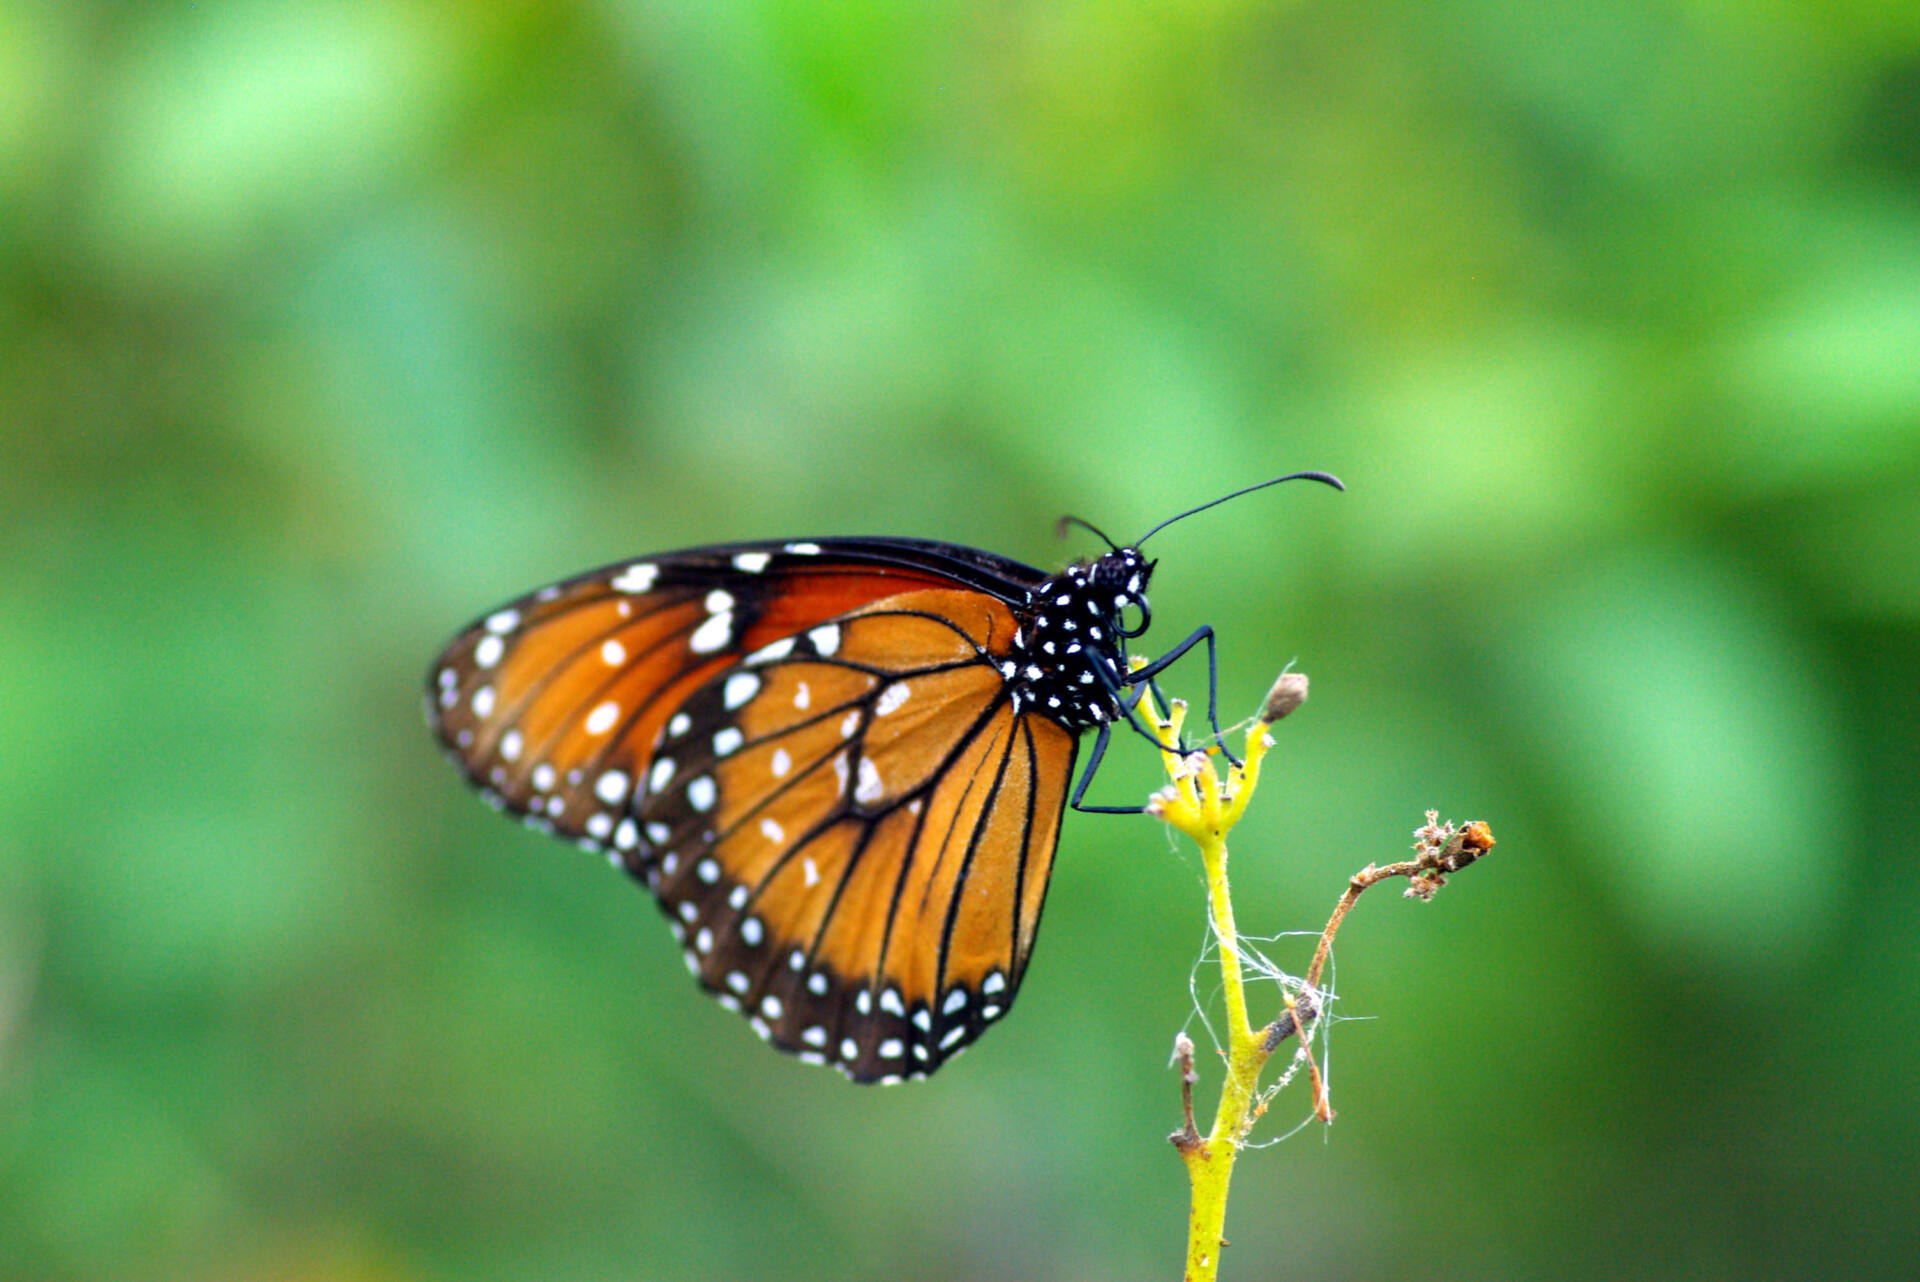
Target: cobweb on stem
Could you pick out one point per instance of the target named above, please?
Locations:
(1258, 968)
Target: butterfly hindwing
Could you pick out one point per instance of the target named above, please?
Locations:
(854, 832)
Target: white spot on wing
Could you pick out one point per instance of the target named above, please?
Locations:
(804, 549)
(701, 793)
(611, 787)
(637, 577)
(771, 829)
(503, 621)
(725, 741)
(680, 724)
(740, 687)
(825, 638)
(891, 698)
(601, 719)
(869, 788)
(612, 653)
(719, 601)
(811, 870)
(801, 696)
(751, 562)
(658, 776)
(510, 745)
(488, 652)
(483, 701)
(781, 763)
(713, 634)
(772, 650)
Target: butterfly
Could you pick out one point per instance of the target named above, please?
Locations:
(839, 764)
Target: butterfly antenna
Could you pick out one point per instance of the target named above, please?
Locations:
(1324, 478)
(1060, 530)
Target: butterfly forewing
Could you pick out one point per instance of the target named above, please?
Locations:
(554, 702)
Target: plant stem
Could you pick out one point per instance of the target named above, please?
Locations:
(1201, 804)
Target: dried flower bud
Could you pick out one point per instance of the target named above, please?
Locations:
(1288, 693)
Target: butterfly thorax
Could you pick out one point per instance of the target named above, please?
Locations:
(1070, 653)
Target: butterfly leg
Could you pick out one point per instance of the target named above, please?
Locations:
(1086, 777)
(1201, 633)
(1160, 704)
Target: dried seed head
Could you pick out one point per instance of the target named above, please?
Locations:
(1288, 693)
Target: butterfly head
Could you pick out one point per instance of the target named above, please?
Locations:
(1122, 575)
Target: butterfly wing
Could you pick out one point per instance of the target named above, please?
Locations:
(811, 755)
(552, 704)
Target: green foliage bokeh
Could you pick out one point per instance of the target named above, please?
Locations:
(325, 327)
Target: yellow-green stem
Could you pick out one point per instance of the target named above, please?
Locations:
(1210, 1166)
(1205, 807)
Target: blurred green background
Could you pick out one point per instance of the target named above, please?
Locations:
(326, 326)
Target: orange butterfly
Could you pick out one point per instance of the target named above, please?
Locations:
(840, 764)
